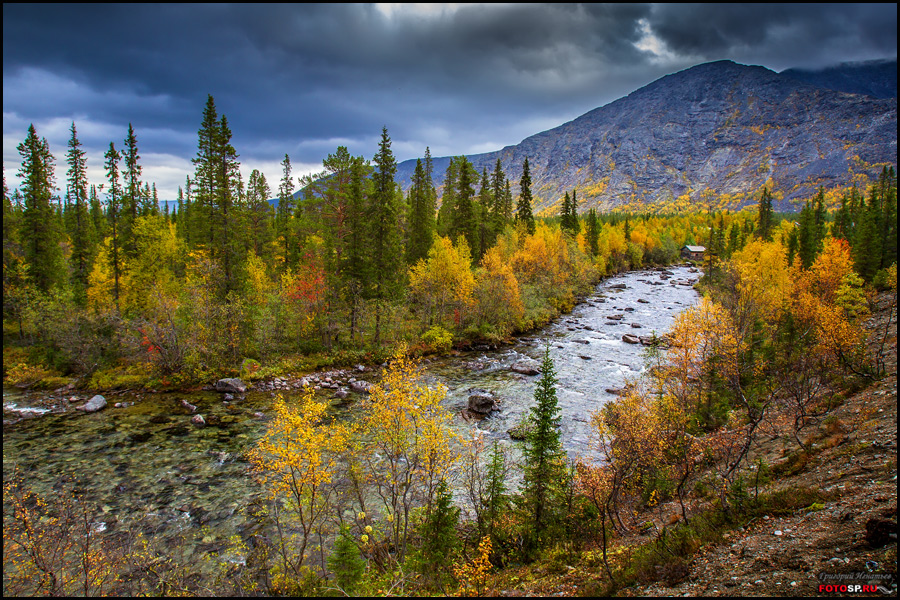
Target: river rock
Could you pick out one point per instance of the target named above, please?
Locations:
(615, 317)
(231, 385)
(482, 401)
(198, 420)
(188, 405)
(520, 431)
(642, 301)
(341, 394)
(526, 366)
(618, 286)
(96, 403)
(631, 339)
(360, 387)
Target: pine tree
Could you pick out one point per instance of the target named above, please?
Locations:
(544, 456)
(486, 231)
(260, 228)
(463, 216)
(523, 209)
(346, 562)
(285, 206)
(385, 248)
(439, 538)
(41, 231)
(564, 214)
(357, 268)
(593, 232)
(498, 214)
(444, 225)
(114, 216)
(764, 216)
(131, 197)
(421, 218)
(82, 233)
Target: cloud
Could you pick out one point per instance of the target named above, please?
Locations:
(303, 78)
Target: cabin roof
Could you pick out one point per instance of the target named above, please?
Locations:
(694, 248)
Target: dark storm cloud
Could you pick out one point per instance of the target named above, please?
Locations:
(302, 79)
(779, 35)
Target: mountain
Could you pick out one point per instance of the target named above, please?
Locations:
(723, 127)
(876, 78)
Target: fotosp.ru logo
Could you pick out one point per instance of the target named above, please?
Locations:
(858, 582)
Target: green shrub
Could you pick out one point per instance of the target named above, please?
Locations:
(438, 339)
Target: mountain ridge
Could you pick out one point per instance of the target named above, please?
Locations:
(717, 127)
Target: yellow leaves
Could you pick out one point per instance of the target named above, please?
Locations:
(764, 280)
(497, 295)
(260, 284)
(472, 576)
(299, 453)
(443, 283)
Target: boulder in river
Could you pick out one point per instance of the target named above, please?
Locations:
(96, 403)
(198, 420)
(526, 366)
(231, 385)
(482, 401)
(360, 387)
(631, 339)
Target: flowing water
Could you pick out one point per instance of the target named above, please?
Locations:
(147, 461)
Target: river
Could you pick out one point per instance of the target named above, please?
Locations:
(148, 461)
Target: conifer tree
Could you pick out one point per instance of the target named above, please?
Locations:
(499, 216)
(346, 563)
(131, 188)
(486, 230)
(444, 225)
(463, 216)
(82, 232)
(41, 230)
(421, 217)
(573, 218)
(114, 216)
(764, 216)
(544, 456)
(285, 206)
(593, 232)
(357, 268)
(564, 214)
(259, 215)
(385, 247)
(523, 209)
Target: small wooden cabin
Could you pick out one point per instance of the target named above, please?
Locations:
(692, 252)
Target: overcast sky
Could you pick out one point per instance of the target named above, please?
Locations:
(305, 79)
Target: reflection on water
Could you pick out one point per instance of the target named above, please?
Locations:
(147, 461)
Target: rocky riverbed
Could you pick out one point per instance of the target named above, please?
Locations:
(147, 457)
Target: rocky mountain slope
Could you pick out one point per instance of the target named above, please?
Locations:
(718, 127)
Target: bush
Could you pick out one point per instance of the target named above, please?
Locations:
(438, 339)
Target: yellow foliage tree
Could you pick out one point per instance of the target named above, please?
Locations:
(298, 460)
(441, 285)
(497, 298)
(409, 446)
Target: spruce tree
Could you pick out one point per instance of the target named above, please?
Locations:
(764, 216)
(544, 456)
(131, 188)
(564, 214)
(385, 247)
(463, 216)
(41, 231)
(346, 563)
(421, 217)
(285, 206)
(114, 197)
(593, 232)
(82, 233)
(523, 209)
